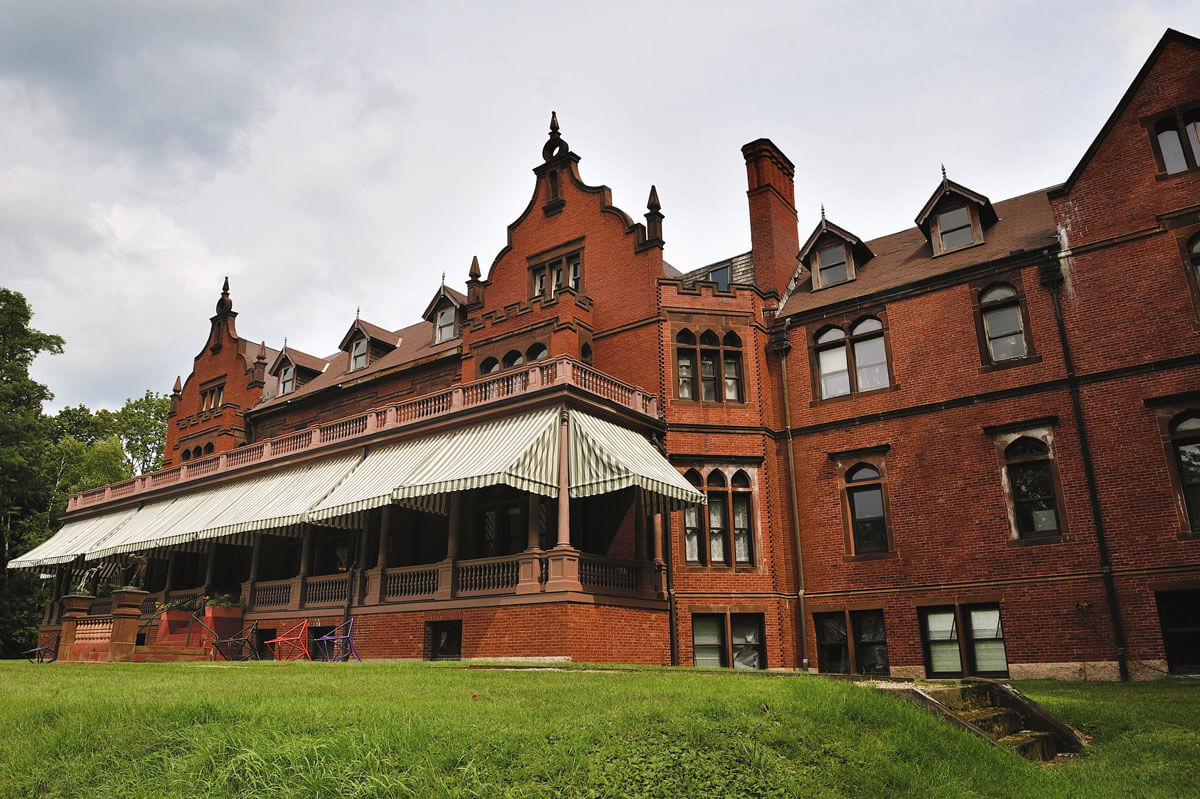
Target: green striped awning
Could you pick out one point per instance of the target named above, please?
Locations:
(606, 458)
(74, 539)
(276, 501)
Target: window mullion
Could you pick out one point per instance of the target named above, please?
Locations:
(851, 643)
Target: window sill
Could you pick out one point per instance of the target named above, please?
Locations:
(1189, 535)
(960, 248)
(1037, 540)
(691, 567)
(1011, 363)
(1161, 176)
(891, 554)
(853, 395)
(714, 403)
(553, 207)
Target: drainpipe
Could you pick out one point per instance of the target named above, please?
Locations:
(663, 533)
(1051, 277)
(782, 346)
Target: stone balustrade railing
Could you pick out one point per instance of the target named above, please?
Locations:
(561, 371)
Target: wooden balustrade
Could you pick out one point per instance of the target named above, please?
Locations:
(276, 594)
(556, 372)
(488, 575)
(410, 582)
(608, 573)
(329, 589)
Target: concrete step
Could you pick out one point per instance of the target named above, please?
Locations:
(962, 697)
(995, 721)
(166, 653)
(1031, 745)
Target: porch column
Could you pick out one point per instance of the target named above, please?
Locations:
(657, 563)
(380, 571)
(564, 486)
(639, 527)
(529, 575)
(306, 548)
(657, 539)
(210, 571)
(252, 577)
(447, 571)
(360, 557)
(172, 568)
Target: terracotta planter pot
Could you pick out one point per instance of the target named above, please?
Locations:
(225, 621)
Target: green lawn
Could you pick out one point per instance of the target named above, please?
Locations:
(317, 730)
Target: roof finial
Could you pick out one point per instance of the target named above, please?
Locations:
(357, 312)
(474, 267)
(822, 212)
(262, 352)
(178, 385)
(556, 145)
(652, 203)
(943, 171)
(224, 304)
(443, 277)
(285, 342)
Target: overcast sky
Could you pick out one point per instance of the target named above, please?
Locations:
(327, 156)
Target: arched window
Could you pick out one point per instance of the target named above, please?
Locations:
(1003, 323)
(711, 372)
(585, 353)
(867, 509)
(536, 352)
(685, 363)
(708, 530)
(1185, 441)
(489, 366)
(853, 364)
(208, 448)
(1032, 488)
(1170, 146)
(552, 185)
(186, 455)
(513, 358)
(197, 452)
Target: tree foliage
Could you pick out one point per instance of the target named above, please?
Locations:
(44, 459)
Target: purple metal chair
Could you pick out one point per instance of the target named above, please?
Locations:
(338, 644)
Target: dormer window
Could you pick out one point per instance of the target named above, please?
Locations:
(954, 228)
(832, 266)
(955, 217)
(447, 325)
(720, 277)
(833, 254)
(358, 354)
(287, 379)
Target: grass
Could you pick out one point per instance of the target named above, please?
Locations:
(398, 729)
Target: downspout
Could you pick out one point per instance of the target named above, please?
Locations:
(1051, 277)
(672, 612)
(782, 346)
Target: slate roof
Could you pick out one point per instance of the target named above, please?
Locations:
(1025, 223)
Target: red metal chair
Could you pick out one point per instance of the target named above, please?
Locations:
(293, 644)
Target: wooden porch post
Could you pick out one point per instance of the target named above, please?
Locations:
(252, 577)
(385, 526)
(306, 551)
(210, 570)
(172, 568)
(564, 486)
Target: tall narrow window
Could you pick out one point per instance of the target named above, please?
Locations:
(685, 353)
(1194, 253)
(718, 518)
(939, 627)
(831, 361)
(954, 227)
(1191, 128)
(870, 355)
(446, 327)
(708, 365)
(287, 379)
(1171, 147)
(1185, 440)
(1000, 306)
(732, 360)
(574, 272)
(832, 266)
(986, 638)
(708, 640)
(720, 277)
(358, 353)
(1031, 485)
(743, 536)
(746, 636)
(833, 651)
(864, 498)
(693, 525)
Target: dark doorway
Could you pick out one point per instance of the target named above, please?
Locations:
(1179, 614)
(443, 640)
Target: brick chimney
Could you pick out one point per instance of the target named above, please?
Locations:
(773, 234)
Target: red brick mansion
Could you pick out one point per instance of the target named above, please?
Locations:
(971, 447)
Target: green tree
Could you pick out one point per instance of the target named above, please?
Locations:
(24, 497)
(141, 424)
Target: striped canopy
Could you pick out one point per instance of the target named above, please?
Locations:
(520, 451)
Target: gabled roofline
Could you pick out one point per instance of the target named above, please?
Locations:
(457, 299)
(987, 214)
(373, 332)
(862, 253)
(301, 360)
(1170, 36)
